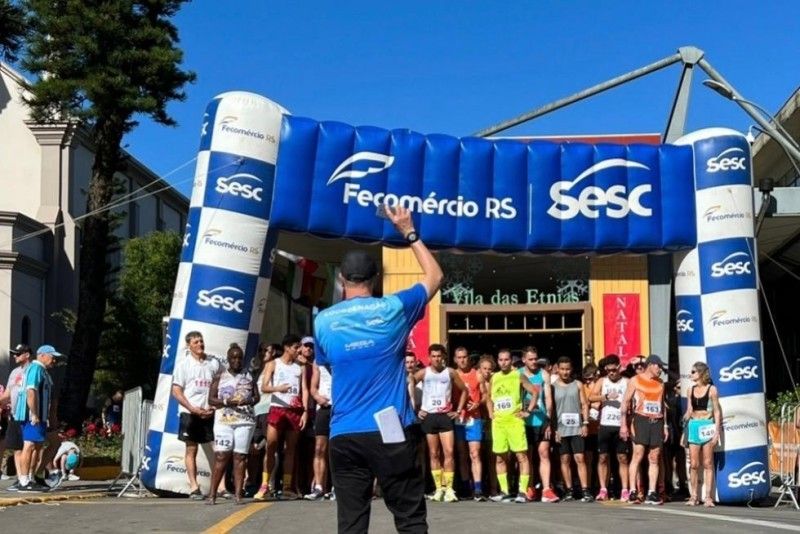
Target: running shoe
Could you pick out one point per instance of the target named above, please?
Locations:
(72, 477)
(625, 496)
(602, 496)
(262, 493)
(14, 486)
(33, 487)
(501, 497)
(479, 497)
(53, 479)
(587, 496)
(548, 495)
(332, 495)
(288, 495)
(521, 498)
(653, 498)
(450, 495)
(568, 496)
(532, 494)
(438, 495)
(315, 495)
(196, 495)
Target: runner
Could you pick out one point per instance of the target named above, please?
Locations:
(191, 382)
(572, 421)
(648, 430)
(469, 433)
(504, 403)
(321, 386)
(538, 430)
(487, 366)
(233, 393)
(285, 380)
(609, 392)
(590, 375)
(437, 415)
(704, 426)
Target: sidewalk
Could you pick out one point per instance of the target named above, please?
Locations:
(68, 491)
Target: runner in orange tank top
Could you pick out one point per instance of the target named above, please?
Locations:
(649, 429)
(469, 432)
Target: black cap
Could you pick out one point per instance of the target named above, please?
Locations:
(358, 266)
(20, 349)
(655, 359)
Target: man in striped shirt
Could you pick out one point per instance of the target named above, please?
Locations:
(32, 411)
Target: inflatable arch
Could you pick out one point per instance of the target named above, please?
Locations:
(693, 198)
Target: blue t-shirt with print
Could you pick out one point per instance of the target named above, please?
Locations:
(38, 380)
(363, 341)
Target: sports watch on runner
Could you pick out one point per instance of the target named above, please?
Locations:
(412, 237)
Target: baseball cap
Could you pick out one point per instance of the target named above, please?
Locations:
(50, 349)
(307, 340)
(20, 349)
(358, 266)
(655, 359)
(542, 362)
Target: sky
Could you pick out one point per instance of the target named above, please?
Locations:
(459, 67)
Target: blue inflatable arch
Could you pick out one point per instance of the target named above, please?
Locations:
(261, 170)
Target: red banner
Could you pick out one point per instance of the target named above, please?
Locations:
(621, 326)
(419, 338)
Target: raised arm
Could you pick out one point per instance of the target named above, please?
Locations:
(431, 271)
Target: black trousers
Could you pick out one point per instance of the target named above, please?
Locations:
(356, 460)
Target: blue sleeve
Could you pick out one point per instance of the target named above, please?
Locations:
(414, 300)
(33, 377)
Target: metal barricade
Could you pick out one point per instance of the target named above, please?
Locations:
(786, 448)
(135, 422)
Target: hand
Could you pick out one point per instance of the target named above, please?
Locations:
(325, 401)
(623, 432)
(558, 437)
(522, 414)
(283, 388)
(584, 431)
(666, 434)
(303, 420)
(34, 420)
(548, 433)
(401, 219)
(471, 406)
(452, 415)
(207, 413)
(422, 414)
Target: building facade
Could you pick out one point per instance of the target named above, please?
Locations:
(44, 176)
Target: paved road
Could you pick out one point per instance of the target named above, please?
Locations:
(178, 516)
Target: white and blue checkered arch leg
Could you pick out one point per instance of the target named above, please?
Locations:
(223, 278)
(717, 313)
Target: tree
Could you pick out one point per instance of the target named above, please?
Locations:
(12, 29)
(130, 348)
(100, 62)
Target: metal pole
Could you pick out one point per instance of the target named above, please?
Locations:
(599, 88)
(752, 111)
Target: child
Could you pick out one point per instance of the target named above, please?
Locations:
(63, 466)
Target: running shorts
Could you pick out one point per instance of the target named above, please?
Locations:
(535, 435)
(195, 429)
(437, 423)
(572, 445)
(700, 431)
(284, 418)
(472, 430)
(229, 438)
(648, 432)
(322, 424)
(509, 435)
(609, 442)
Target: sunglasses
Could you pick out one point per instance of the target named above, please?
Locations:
(612, 369)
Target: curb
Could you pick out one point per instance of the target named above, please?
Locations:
(39, 499)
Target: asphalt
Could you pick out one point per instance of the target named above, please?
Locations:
(150, 514)
(77, 490)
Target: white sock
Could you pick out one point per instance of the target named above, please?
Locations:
(24, 480)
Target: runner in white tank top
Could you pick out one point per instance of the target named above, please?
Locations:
(287, 374)
(609, 392)
(437, 415)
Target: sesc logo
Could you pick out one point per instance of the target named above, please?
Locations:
(240, 185)
(224, 298)
(751, 474)
(734, 264)
(685, 321)
(727, 160)
(744, 368)
(615, 202)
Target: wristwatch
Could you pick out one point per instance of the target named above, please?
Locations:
(412, 237)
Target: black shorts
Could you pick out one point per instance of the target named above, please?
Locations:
(590, 443)
(260, 431)
(322, 423)
(13, 435)
(437, 423)
(648, 432)
(535, 435)
(195, 429)
(571, 445)
(609, 442)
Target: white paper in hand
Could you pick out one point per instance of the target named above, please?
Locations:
(389, 425)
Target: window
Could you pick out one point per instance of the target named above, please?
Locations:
(133, 219)
(25, 334)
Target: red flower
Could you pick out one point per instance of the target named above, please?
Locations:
(116, 429)
(91, 428)
(71, 433)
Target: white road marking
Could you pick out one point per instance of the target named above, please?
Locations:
(728, 518)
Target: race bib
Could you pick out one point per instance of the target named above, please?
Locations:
(594, 414)
(707, 432)
(223, 443)
(570, 419)
(611, 417)
(503, 404)
(652, 408)
(293, 390)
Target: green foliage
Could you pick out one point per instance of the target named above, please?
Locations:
(104, 60)
(130, 349)
(105, 445)
(12, 29)
(784, 397)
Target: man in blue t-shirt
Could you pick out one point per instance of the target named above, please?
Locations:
(362, 341)
(33, 411)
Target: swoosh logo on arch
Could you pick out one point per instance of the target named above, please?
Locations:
(382, 162)
(607, 164)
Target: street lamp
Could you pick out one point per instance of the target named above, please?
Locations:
(727, 92)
